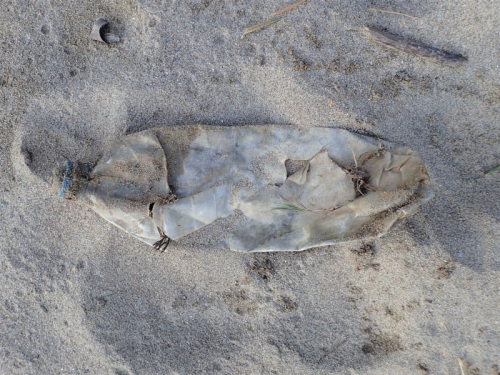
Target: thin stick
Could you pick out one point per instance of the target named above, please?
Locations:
(354, 157)
(331, 351)
(288, 8)
(391, 12)
(463, 366)
(431, 53)
(492, 170)
(262, 25)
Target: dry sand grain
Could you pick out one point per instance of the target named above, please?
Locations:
(80, 297)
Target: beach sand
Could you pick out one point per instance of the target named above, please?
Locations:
(79, 296)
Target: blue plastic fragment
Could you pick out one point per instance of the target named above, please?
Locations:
(66, 180)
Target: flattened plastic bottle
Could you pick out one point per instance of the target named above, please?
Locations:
(293, 188)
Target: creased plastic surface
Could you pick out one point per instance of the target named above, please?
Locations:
(214, 171)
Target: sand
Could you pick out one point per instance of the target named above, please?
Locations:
(78, 296)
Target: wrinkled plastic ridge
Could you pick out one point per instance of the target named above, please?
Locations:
(216, 172)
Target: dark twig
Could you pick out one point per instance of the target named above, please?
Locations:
(431, 53)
